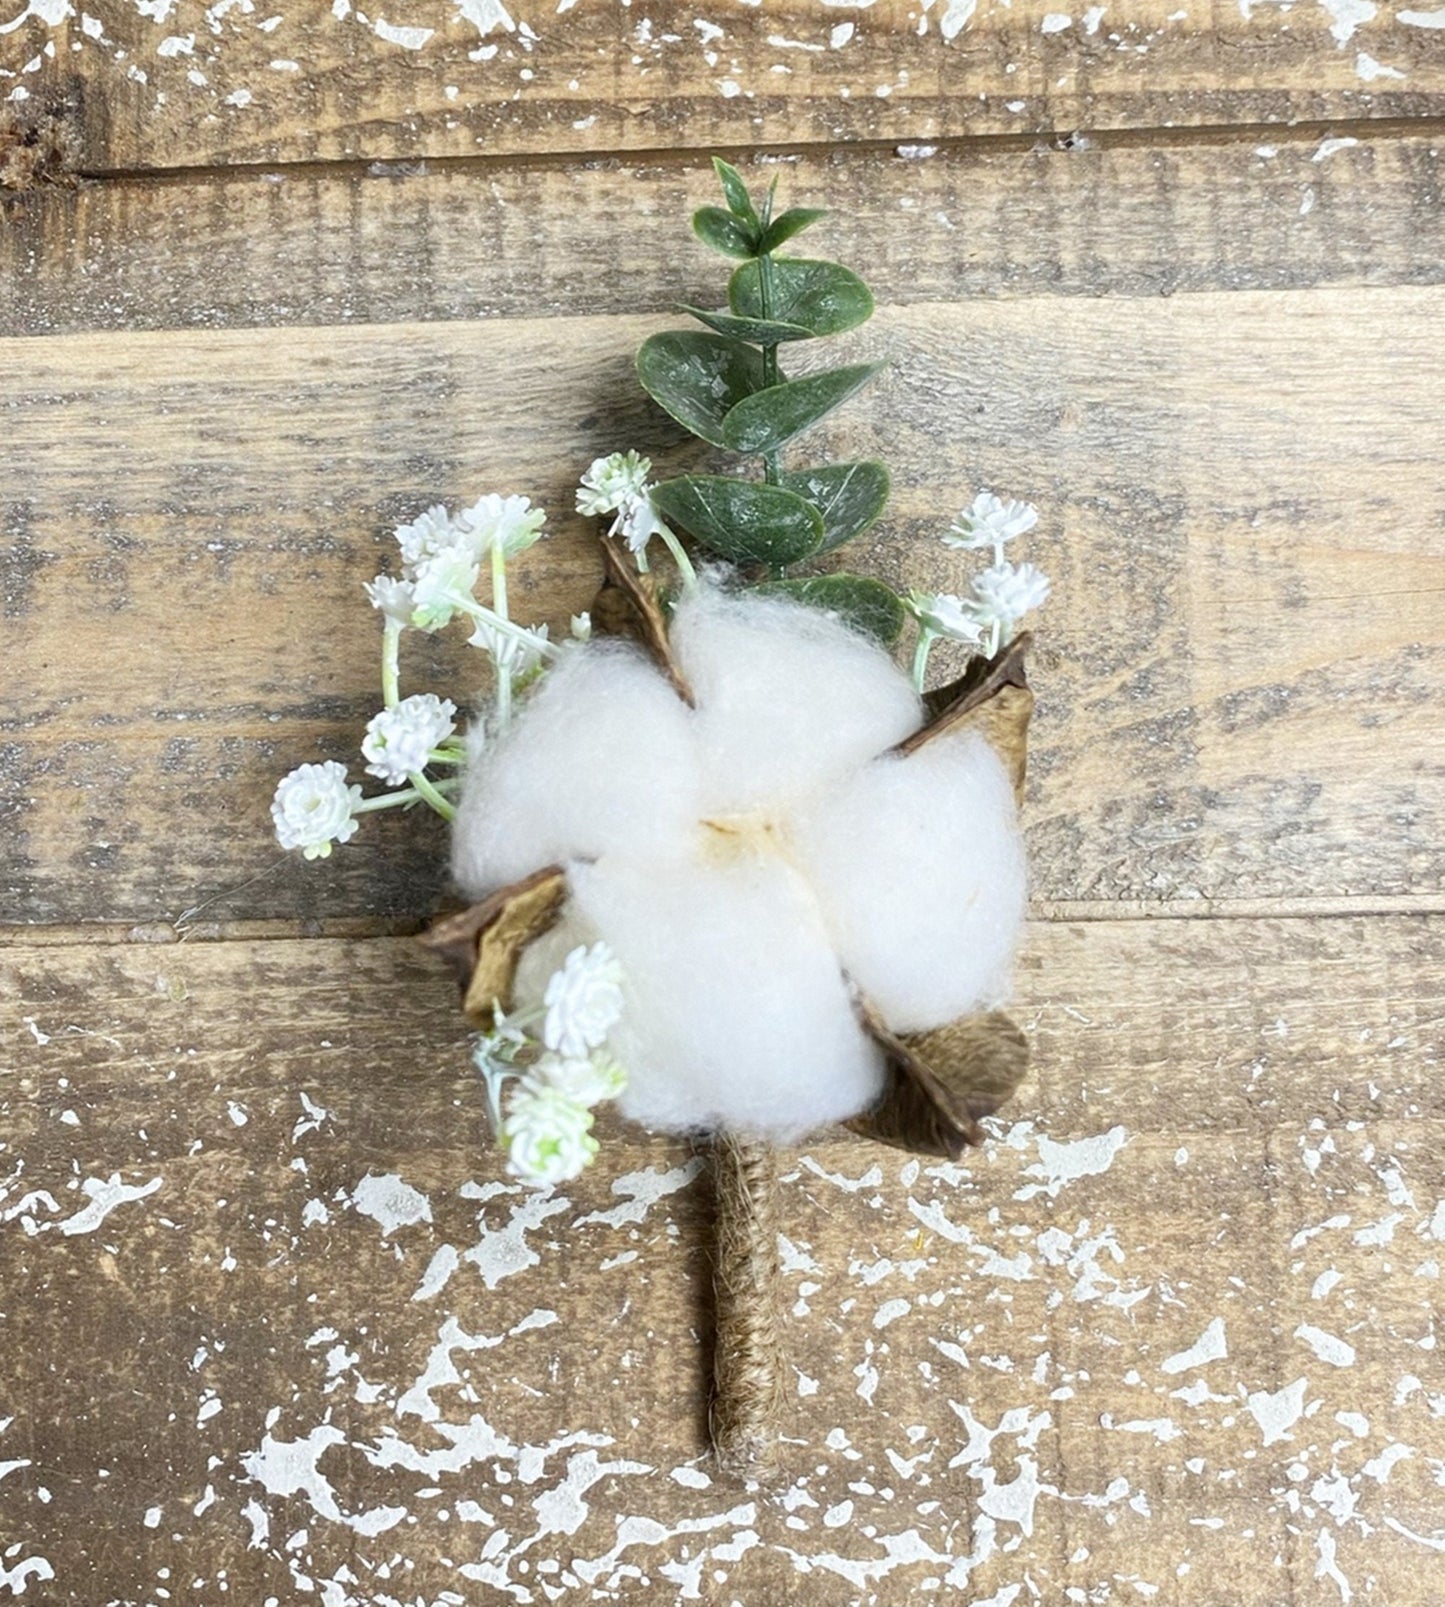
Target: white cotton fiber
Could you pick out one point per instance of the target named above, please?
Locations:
(745, 858)
(787, 698)
(600, 759)
(920, 870)
(737, 1014)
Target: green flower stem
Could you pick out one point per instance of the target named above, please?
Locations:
(475, 610)
(430, 793)
(404, 796)
(926, 639)
(679, 557)
(391, 662)
(504, 671)
(448, 753)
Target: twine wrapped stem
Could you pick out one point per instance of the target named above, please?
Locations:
(748, 1360)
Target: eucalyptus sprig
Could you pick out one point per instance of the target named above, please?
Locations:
(726, 385)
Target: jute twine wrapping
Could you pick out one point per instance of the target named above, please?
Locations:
(748, 1361)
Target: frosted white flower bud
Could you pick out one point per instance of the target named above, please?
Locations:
(399, 741)
(611, 482)
(427, 535)
(945, 615)
(314, 807)
(1006, 592)
(509, 523)
(395, 598)
(989, 521)
(583, 1000)
(588, 1081)
(442, 582)
(517, 651)
(547, 1136)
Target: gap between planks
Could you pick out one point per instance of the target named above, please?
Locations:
(683, 158)
(1055, 912)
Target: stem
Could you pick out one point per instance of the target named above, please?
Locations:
(390, 662)
(772, 464)
(430, 793)
(926, 639)
(504, 671)
(748, 1359)
(476, 610)
(679, 557)
(448, 753)
(403, 796)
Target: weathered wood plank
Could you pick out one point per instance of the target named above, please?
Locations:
(1239, 676)
(288, 248)
(165, 87)
(1174, 1325)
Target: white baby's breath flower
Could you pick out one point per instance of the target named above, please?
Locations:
(395, 598)
(583, 1000)
(547, 1136)
(443, 583)
(427, 535)
(399, 741)
(314, 808)
(612, 482)
(581, 627)
(1006, 592)
(989, 521)
(637, 523)
(511, 524)
(945, 615)
(520, 651)
(587, 1081)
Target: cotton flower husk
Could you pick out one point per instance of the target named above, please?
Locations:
(704, 881)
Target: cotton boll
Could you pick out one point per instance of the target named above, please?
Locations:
(601, 759)
(736, 1014)
(919, 868)
(787, 698)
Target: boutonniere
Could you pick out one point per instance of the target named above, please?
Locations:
(734, 866)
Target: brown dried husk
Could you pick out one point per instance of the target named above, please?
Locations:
(484, 943)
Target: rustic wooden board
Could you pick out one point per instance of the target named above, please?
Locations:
(1239, 677)
(272, 1315)
(1096, 218)
(182, 86)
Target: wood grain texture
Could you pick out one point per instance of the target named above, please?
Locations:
(408, 245)
(1238, 684)
(272, 1314)
(188, 87)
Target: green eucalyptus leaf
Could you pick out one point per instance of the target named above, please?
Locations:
(698, 378)
(743, 521)
(723, 232)
(867, 605)
(740, 203)
(792, 222)
(761, 331)
(824, 298)
(850, 496)
(765, 419)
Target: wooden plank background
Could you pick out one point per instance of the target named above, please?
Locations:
(273, 1323)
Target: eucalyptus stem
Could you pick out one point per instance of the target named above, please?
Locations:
(391, 661)
(772, 464)
(504, 670)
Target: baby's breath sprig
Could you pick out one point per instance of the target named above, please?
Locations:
(442, 561)
(1002, 594)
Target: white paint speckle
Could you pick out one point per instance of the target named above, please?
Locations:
(1277, 1413)
(390, 1202)
(1210, 1346)
(104, 1198)
(1327, 1347)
